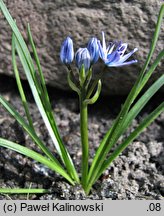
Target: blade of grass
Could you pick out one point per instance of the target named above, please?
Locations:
(29, 69)
(146, 122)
(34, 89)
(135, 110)
(27, 63)
(44, 97)
(47, 105)
(19, 84)
(149, 73)
(143, 100)
(141, 103)
(58, 144)
(148, 94)
(27, 128)
(31, 77)
(155, 38)
(42, 80)
(23, 191)
(129, 117)
(36, 156)
(113, 135)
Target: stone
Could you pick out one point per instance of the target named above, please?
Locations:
(132, 21)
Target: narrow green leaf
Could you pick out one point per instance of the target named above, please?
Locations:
(151, 70)
(36, 97)
(95, 97)
(44, 94)
(37, 62)
(139, 105)
(47, 106)
(71, 83)
(28, 66)
(146, 122)
(29, 70)
(129, 117)
(155, 38)
(17, 33)
(36, 156)
(51, 129)
(115, 132)
(27, 128)
(19, 84)
(46, 103)
(23, 191)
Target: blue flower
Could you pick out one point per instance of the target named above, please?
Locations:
(93, 49)
(113, 55)
(67, 52)
(82, 57)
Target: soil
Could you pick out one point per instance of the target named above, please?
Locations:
(136, 174)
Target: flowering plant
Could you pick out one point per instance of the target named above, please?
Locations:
(88, 91)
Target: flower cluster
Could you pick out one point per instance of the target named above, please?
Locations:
(112, 55)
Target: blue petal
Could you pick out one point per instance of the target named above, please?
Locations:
(101, 51)
(82, 57)
(103, 42)
(93, 50)
(113, 57)
(116, 64)
(125, 57)
(110, 48)
(67, 52)
(122, 49)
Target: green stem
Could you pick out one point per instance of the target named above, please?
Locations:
(84, 138)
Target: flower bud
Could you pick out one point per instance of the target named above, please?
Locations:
(93, 49)
(82, 57)
(67, 52)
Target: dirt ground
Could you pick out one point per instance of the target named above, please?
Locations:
(136, 174)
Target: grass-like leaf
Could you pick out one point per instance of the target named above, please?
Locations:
(23, 191)
(19, 84)
(51, 127)
(29, 69)
(139, 105)
(146, 122)
(27, 128)
(134, 112)
(36, 156)
(47, 106)
(107, 143)
(113, 134)
(155, 39)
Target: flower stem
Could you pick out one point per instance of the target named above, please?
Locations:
(94, 84)
(84, 138)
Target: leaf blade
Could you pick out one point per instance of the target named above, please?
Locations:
(112, 137)
(36, 156)
(28, 65)
(19, 84)
(26, 127)
(146, 122)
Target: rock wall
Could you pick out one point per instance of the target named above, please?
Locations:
(131, 21)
